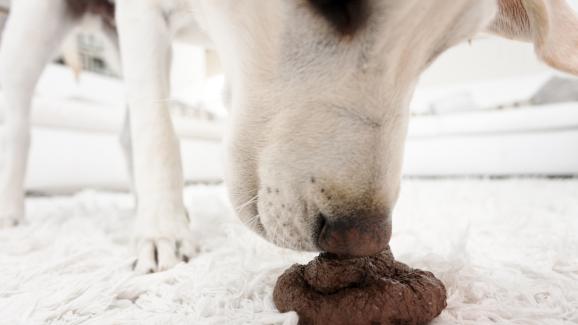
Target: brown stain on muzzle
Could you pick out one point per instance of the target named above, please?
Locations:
(102, 8)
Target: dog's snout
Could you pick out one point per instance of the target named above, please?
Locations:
(353, 236)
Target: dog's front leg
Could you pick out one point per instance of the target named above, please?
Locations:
(162, 234)
(34, 31)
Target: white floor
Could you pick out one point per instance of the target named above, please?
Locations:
(507, 251)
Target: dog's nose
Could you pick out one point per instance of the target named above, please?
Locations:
(354, 236)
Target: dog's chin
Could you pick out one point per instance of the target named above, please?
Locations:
(285, 239)
(289, 243)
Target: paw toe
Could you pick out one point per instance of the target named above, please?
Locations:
(162, 254)
(146, 258)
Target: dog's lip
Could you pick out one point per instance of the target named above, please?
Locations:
(256, 224)
(319, 224)
(260, 227)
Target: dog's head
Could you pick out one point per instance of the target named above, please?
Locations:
(320, 103)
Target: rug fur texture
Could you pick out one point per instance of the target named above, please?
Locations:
(507, 251)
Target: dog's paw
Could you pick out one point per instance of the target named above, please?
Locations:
(157, 254)
(10, 220)
(11, 210)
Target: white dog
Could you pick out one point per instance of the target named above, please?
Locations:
(320, 93)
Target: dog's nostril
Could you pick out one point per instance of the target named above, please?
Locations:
(352, 236)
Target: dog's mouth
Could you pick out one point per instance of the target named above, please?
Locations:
(260, 227)
(320, 222)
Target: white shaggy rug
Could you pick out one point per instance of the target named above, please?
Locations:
(506, 250)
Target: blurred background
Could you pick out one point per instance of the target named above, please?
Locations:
(486, 108)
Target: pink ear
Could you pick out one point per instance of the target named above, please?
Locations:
(552, 25)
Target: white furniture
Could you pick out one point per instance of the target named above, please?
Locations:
(473, 117)
(76, 127)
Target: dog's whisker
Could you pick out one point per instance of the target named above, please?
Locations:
(252, 200)
(275, 237)
(256, 223)
(252, 220)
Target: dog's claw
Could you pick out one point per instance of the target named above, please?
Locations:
(10, 221)
(157, 255)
